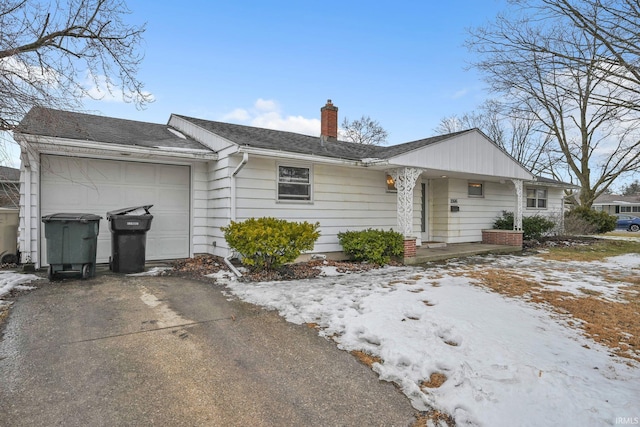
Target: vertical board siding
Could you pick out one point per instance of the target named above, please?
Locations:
(33, 215)
(201, 241)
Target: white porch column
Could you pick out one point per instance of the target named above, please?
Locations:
(405, 180)
(517, 215)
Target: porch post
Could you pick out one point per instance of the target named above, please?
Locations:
(405, 180)
(517, 215)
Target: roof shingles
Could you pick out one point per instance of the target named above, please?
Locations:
(88, 127)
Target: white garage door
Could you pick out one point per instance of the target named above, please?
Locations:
(78, 185)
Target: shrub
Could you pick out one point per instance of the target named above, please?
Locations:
(533, 227)
(591, 220)
(268, 243)
(375, 246)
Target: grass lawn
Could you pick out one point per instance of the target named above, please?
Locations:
(611, 321)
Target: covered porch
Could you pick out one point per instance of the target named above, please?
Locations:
(426, 254)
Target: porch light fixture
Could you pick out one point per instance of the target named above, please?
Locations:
(391, 184)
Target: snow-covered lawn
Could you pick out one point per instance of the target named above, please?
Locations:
(507, 360)
(10, 280)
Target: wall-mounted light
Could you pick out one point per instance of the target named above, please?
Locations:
(391, 184)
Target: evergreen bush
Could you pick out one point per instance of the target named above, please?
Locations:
(268, 243)
(375, 246)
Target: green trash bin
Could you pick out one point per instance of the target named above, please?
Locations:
(72, 239)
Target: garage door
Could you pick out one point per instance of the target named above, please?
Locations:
(78, 185)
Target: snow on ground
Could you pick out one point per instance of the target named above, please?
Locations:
(155, 271)
(507, 362)
(11, 280)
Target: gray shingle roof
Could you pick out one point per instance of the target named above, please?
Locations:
(304, 144)
(88, 127)
(8, 174)
(614, 198)
(545, 180)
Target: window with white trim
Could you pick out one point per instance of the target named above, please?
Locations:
(536, 198)
(294, 183)
(624, 209)
(475, 189)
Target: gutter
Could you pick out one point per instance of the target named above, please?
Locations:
(47, 145)
(295, 156)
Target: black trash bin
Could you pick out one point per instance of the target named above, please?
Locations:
(129, 228)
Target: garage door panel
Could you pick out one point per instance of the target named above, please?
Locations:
(169, 222)
(106, 195)
(166, 248)
(140, 173)
(137, 196)
(62, 193)
(171, 174)
(67, 186)
(103, 172)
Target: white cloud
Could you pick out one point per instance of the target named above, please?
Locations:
(460, 93)
(16, 69)
(237, 115)
(266, 105)
(266, 113)
(101, 89)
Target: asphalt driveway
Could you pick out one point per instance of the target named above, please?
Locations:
(117, 350)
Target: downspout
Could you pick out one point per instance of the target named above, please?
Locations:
(227, 259)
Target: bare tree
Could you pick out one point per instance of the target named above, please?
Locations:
(364, 131)
(613, 23)
(632, 189)
(517, 134)
(55, 53)
(550, 69)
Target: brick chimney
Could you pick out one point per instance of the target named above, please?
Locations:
(329, 122)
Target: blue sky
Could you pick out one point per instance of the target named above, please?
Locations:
(275, 63)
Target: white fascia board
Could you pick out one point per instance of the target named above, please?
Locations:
(204, 136)
(50, 145)
(296, 156)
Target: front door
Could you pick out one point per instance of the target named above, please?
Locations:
(424, 211)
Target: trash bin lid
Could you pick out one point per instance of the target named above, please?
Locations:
(131, 210)
(78, 217)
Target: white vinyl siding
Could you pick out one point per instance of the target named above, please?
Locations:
(343, 199)
(470, 153)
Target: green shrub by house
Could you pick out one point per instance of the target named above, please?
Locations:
(268, 243)
(600, 221)
(533, 227)
(375, 246)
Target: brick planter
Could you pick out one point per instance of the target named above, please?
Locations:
(409, 247)
(502, 237)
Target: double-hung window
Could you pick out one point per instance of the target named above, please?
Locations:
(536, 198)
(294, 183)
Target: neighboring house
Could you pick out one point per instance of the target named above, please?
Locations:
(9, 187)
(201, 174)
(614, 204)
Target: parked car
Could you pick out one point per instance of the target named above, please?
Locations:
(628, 222)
